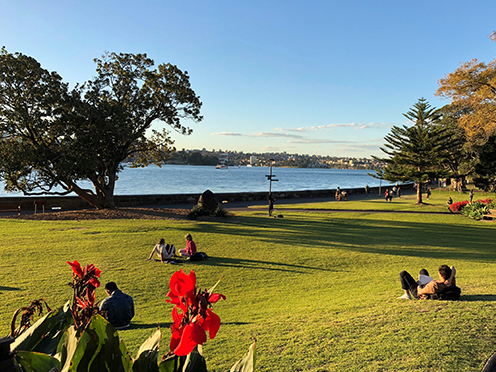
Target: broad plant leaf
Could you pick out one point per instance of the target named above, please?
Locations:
(36, 362)
(147, 358)
(98, 349)
(43, 335)
(195, 361)
(247, 363)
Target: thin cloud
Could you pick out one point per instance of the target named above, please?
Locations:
(227, 134)
(358, 126)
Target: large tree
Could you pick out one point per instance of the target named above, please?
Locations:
(53, 136)
(472, 87)
(418, 152)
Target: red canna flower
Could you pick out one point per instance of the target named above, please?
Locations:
(191, 315)
(76, 268)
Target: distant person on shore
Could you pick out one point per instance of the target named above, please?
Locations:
(429, 192)
(426, 287)
(271, 200)
(395, 189)
(398, 192)
(190, 249)
(164, 251)
(119, 307)
(367, 191)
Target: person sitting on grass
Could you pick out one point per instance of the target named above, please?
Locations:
(190, 249)
(118, 306)
(164, 251)
(426, 287)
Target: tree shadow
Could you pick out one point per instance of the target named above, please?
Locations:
(162, 325)
(256, 264)
(2, 288)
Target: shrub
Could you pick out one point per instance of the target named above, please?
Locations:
(473, 210)
(198, 211)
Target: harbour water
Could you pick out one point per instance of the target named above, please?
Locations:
(190, 179)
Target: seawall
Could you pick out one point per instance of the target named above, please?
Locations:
(75, 202)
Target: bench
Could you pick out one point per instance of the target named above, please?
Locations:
(11, 208)
(490, 216)
(39, 202)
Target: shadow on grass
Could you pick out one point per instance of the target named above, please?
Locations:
(255, 264)
(482, 297)
(2, 288)
(162, 325)
(422, 236)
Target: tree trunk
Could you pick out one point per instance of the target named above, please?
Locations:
(99, 201)
(419, 193)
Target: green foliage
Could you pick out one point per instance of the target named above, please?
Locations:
(417, 153)
(475, 210)
(52, 136)
(198, 211)
(485, 170)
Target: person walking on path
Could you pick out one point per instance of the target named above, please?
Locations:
(398, 192)
(471, 195)
(428, 193)
(367, 191)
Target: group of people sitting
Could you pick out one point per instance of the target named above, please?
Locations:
(167, 252)
(118, 307)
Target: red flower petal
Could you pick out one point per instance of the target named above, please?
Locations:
(91, 296)
(211, 323)
(180, 283)
(174, 341)
(214, 297)
(192, 335)
(76, 268)
(94, 282)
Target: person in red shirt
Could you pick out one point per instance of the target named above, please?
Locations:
(190, 249)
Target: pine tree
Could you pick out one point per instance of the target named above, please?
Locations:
(419, 152)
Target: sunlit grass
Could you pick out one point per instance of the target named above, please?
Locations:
(317, 290)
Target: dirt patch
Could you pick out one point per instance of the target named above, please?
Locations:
(109, 214)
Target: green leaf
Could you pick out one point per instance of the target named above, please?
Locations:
(43, 335)
(168, 364)
(36, 362)
(195, 361)
(147, 358)
(247, 363)
(98, 349)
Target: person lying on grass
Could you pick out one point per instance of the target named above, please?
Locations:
(164, 251)
(426, 287)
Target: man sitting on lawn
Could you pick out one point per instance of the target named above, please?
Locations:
(119, 307)
(426, 287)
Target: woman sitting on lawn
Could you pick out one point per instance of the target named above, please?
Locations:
(165, 252)
(190, 249)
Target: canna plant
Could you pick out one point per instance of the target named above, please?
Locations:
(77, 337)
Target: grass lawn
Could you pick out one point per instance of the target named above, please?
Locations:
(316, 289)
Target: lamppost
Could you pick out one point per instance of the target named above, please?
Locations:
(271, 176)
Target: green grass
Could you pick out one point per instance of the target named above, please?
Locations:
(316, 289)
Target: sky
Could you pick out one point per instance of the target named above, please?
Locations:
(310, 77)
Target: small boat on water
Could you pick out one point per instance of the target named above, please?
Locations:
(221, 167)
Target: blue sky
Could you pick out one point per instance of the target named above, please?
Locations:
(309, 77)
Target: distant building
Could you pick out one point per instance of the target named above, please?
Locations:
(253, 160)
